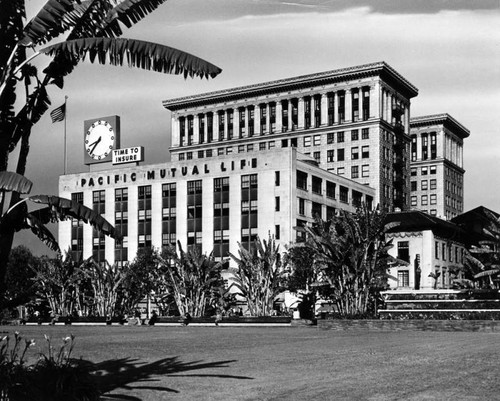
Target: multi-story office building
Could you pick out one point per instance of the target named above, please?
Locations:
(437, 171)
(211, 204)
(354, 122)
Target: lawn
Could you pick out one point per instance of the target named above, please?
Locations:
(300, 363)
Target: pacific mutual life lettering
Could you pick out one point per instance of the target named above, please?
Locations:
(162, 173)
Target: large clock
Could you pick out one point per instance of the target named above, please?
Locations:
(101, 136)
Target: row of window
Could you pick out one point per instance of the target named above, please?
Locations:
(424, 185)
(263, 118)
(425, 170)
(428, 146)
(424, 200)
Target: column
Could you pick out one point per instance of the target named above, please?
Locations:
(376, 100)
(205, 126)
(300, 110)
(216, 126)
(226, 125)
(175, 131)
(336, 108)
(256, 120)
(324, 109)
(247, 117)
(279, 116)
(290, 121)
(236, 122)
(268, 118)
(348, 105)
(196, 129)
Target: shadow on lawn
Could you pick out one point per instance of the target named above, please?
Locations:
(125, 374)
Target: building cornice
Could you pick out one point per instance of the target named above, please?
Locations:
(382, 69)
(445, 119)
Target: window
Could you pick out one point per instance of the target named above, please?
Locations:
(365, 152)
(201, 154)
(355, 153)
(344, 194)
(169, 214)
(424, 170)
(316, 210)
(189, 156)
(307, 141)
(365, 133)
(301, 180)
(262, 146)
(277, 204)
(433, 170)
(413, 148)
(250, 147)
(340, 137)
(220, 151)
(277, 178)
(443, 251)
(424, 185)
(433, 199)
(241, 148)
(330, 155)
(365, 170)
(340, 170)
(413, 172)
(424, 200)
(413, 185)
(277, 231)
(330, 138)
(271, 145)
(436, 249)
(144, 216)
(182, 156)
(317, 140)
(316, 185)
(317, 156)
(330, 190)
(302, 206)
(354, 135)
(413, 201)
(354, 171)
(340, 155)
(404, 250)
(403, 278)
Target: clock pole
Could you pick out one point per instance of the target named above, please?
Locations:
(65, 118)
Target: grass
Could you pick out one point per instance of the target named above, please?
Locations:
(253, 363)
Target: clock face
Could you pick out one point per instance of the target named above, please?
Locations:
(99, 140)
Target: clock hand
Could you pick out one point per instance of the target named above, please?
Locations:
(94, 144)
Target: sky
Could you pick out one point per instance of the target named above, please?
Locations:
(450, 50)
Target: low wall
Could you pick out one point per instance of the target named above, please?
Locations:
(414, 324)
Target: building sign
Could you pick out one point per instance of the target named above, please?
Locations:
(171, 172)
(128, 155)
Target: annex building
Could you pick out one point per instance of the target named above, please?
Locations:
(437, 170)
(246, 162)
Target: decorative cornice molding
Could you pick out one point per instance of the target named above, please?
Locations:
(444, 119)
(374, 69)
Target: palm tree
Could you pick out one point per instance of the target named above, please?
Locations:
(93, 30)
(260, 276)
(350, 256)
(193, 279)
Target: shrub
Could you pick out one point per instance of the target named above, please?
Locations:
(55, 376)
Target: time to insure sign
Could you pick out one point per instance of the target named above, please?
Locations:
(128, 155)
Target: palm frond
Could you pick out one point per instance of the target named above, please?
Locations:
(64, 208)
(54, 18)
(10, 181)
(487, 273)
(41, 231)
(128, 12)
(139, 54)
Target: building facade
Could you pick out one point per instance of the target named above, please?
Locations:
(432, 248)
(437, 171)
(355, 122)
(209, 203)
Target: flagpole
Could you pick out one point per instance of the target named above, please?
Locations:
(65, 117)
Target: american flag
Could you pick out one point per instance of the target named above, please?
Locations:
(58, 114)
